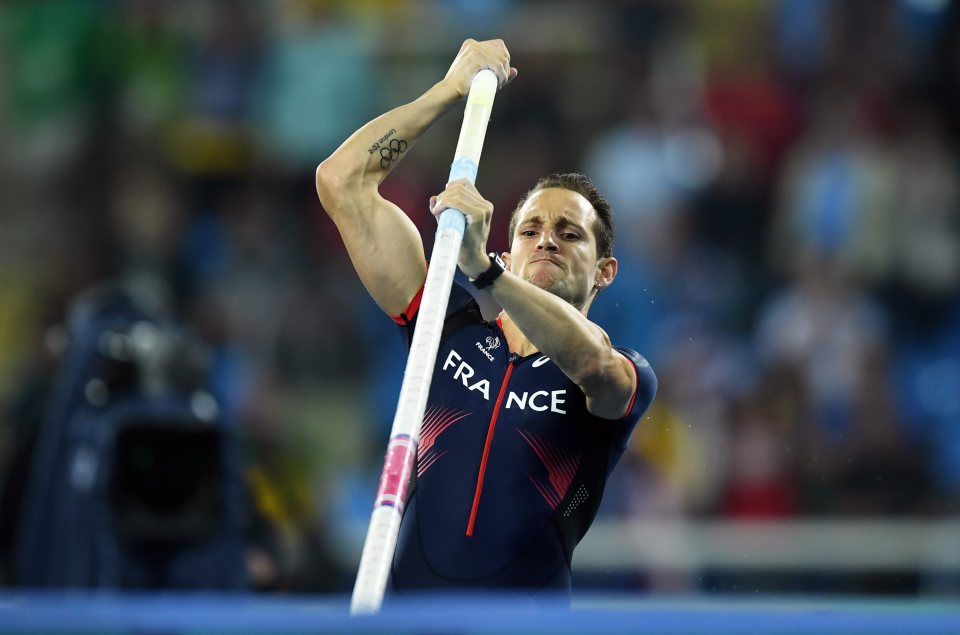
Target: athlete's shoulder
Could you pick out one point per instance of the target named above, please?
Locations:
(458, 300)
(646, 380)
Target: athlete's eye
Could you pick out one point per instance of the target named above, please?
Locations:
(528, 232)
(570, 236)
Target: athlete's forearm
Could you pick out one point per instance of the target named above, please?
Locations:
(371, 153)
(576, 345)
(580, 348)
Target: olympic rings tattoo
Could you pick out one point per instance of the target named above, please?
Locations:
(392, 152)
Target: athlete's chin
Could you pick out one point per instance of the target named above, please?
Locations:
(545, 281)
(556, 287)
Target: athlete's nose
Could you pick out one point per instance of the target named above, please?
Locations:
(547, 242)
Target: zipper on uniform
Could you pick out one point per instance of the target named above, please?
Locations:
(489, 441)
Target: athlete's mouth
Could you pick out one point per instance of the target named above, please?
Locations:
(546, 259)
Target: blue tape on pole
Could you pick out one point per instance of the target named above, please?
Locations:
(463, 168)
(452, 219)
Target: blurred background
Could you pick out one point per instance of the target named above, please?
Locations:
(786, 184)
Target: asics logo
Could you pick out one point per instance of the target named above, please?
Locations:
(540, 361)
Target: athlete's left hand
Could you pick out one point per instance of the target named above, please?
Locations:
(462, 195)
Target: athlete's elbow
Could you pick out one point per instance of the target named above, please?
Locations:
(329, 182)
(341, 187)
(322, 173)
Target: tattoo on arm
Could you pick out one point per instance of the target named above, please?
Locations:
(389, 152)
(392, 152)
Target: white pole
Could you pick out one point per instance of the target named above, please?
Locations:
(381, 541)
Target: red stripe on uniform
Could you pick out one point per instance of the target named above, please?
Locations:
(636, 388)
(404, 318)
(486, 450)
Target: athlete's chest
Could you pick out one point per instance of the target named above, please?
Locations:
(475, 368)
(499, 423)
(481, 394)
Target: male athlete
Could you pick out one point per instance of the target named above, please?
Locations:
(527, 414)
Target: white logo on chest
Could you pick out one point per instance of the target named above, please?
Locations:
(492, 342)
(539, 400)
(464, 372)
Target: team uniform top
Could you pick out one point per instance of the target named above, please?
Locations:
(510, 464)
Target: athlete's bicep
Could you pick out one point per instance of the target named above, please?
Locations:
(385, 248)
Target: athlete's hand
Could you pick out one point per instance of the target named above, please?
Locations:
(475, 56)
(462, 195)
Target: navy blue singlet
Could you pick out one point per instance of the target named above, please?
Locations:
(510, 465)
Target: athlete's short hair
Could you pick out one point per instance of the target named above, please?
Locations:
(602, 227)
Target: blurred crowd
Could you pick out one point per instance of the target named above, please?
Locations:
(784, 175)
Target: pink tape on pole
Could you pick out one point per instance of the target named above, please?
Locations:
(395, 478)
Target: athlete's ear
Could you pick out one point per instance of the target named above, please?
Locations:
(606, 272)
(505, 256)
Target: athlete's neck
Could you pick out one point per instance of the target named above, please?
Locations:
(516, 340)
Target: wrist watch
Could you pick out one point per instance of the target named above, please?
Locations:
(493, 272)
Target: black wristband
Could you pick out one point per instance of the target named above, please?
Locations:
(493, 272)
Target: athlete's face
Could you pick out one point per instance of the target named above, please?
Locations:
(554, 247)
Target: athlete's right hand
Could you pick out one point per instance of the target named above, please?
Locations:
(475, 56)
(463, 195)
